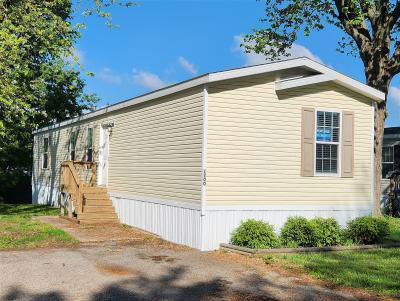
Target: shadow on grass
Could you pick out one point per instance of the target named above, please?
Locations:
(376, 270)
(27, 210)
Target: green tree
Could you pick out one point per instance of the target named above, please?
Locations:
(370, 32)
(37, 85)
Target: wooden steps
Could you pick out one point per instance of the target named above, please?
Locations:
(97, 207)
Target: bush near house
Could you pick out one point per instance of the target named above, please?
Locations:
(318, 232)
(256, 235)
(297, 232)
(368, 230)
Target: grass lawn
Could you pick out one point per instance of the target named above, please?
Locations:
(18, 230)
(375, 270)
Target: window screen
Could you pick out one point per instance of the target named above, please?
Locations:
(327, 142)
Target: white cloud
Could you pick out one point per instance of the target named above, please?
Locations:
(149, 80)
(107, 75)
(394, 95)
(252, 58)
(185, 64)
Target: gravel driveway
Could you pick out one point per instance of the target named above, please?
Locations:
(145, 271)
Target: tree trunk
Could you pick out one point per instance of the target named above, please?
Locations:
(380, 116)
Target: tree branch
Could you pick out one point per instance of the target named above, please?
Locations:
(394, 16)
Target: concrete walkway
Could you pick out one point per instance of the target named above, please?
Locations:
(150, 271)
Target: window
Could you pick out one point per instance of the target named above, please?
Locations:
(327, 138)
(387, 160)
(72, 145)
(45, 156)
(89, 145)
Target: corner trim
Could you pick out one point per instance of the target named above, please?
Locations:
(203, 182)
(372, 157)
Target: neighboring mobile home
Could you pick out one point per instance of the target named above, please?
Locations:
(191, 161)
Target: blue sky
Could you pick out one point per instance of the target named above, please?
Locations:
(163, 42)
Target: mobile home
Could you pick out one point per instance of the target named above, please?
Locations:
(189, 162)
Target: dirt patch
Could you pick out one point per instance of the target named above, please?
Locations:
(118, 270)
(157, 258)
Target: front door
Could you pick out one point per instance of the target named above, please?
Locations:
(102, 178)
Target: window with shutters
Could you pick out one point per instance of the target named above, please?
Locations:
(89, 145)
(387, 160)
(45, 155)
(327, 141)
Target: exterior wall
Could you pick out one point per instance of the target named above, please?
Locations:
(254, 156)
(254, 145)
(154, 150)
(45, 182)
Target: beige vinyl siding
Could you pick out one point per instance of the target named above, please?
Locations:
(59, 151)
(254, 144)
(154, 148)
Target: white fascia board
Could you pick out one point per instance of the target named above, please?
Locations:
(303, 81)
(347, 82)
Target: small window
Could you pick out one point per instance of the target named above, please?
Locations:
(72, 145)
(89, 145)
(327, 138)
(45, 156)
(387, 160)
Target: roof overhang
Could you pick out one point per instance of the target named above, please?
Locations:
(325, 74)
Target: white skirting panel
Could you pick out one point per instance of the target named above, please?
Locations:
(45, 195)
(219, 224)
(171, 222)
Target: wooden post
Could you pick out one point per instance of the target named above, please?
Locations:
(69, 206)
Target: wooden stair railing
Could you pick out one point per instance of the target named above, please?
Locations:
(72, 186)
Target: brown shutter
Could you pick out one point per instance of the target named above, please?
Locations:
(347, 144)
(307, 142)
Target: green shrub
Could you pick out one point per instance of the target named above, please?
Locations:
(368, 230)
(327, 232)
(297, 232)
(256, 235)
(318, 232)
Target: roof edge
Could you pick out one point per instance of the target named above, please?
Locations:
(229, 74)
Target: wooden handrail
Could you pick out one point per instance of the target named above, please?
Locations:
(72, 184)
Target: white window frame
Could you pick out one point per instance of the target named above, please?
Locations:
(387, 162)
(48, 157)
(339, 144)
